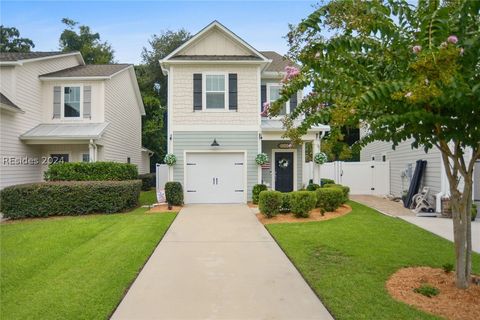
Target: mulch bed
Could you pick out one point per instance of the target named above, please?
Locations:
(315, 215)
(164, 208)
(451, 302)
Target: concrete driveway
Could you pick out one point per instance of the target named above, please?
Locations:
(219, 262)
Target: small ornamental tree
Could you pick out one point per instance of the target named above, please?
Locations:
(406, 72)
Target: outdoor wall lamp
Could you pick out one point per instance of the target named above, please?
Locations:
(215, 143)
(170, 137)
(260, 137)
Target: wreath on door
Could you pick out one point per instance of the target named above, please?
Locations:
(283, 163)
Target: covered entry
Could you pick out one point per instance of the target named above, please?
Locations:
(215, 177)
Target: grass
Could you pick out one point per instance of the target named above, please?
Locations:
(148, 197)
(348, 260)
(74, 267)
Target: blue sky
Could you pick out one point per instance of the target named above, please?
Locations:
(128, 25)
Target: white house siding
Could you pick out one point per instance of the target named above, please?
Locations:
(24, 89)
(182, 96)
(399, 160)
(232, 140)
(267, 147)
(123, 137)
(215, 42)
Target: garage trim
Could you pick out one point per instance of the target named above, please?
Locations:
(245, 167)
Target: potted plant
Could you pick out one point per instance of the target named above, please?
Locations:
(320, 158)
(170, 159)
(261, 159)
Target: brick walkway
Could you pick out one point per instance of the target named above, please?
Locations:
(383, 205)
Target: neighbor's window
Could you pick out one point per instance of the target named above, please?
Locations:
(128, 160)
(59, 157)
(215, 91)
(273, 94)
(86, 157)
(71, 102)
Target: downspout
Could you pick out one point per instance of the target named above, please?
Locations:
(92, 151)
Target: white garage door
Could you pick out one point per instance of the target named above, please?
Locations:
(215, 178)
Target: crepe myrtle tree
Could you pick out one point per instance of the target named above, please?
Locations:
(406, 72)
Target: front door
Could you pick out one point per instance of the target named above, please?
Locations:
(284, 171)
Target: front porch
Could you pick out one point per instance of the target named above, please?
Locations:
(287, 169)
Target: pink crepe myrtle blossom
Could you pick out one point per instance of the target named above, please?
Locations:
(291, 72)
(266, 107)
(452, 39)
(417, 48)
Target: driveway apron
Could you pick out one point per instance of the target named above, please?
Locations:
(219, 262)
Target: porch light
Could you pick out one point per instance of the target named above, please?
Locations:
(215, 143)
(260, 137)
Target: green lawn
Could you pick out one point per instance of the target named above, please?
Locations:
(74, 267)
(148, 197)
(347, 260)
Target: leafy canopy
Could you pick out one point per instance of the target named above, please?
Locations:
(92, 49)
(10, 40)
(393, 66)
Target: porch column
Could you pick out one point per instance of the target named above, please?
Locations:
(316, 167)
(92, 151)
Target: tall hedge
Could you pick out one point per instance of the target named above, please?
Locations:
(91, 171)
(68, 198)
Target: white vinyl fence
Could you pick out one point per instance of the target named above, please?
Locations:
(162, 176)
(369, 177)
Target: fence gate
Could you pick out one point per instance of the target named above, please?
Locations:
(369, 177)
(162, 176)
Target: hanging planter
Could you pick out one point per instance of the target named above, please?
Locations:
(320, 158)
(170, 159)
(261, 159)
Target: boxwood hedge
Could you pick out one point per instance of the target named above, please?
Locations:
(91, 171)
(68, 198)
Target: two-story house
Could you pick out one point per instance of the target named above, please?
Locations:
(56, 108)
(217, 85)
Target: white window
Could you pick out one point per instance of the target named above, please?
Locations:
(215, 92)
(59, 157)
(273, 93)
(86, 157)
(72, 102)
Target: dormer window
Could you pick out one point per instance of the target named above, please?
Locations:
(215, 91)
(71, 102)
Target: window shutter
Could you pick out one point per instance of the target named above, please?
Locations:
(263, 95)
(87, 102)
(57, 102)
(293, 102)
(197, 91)
(232, 91)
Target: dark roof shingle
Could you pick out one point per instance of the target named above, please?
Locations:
(17, 56)
(89, 70)
(4, 100)
(279, 62)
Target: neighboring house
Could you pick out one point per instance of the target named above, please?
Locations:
(217, 84)
(53, 107)
(402, 166)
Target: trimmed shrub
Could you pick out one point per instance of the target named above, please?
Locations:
(324, 181)
(270, 202)
(345, 190)
(302, 203)
(148, 181)
(329, 199)
(91, 171)
(174, 193)
(286, 203)
(312, 186)
(68, 198)
(256, 191)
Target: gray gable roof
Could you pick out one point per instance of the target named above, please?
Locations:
(215, 57)
(17, 56)
(66, 131)
(279, 62)
(4, 100)
(90, 70)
